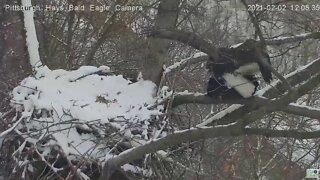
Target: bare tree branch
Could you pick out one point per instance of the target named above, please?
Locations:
(282, 133)
(197, 42)
(230, 114)
(107, 26)
(168, 141)
(188, 38)
(200, 98)
(202, 133)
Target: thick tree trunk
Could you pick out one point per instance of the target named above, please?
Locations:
(157, 53)
(153, 64)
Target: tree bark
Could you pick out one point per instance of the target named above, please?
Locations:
(157, 51)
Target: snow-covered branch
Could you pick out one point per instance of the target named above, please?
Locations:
(196, 58)
(299, 110)
(261, 109)
(296, 77)
(292, 39)
(31, 35)
(283, 100)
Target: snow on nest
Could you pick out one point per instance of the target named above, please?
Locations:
(61, 100)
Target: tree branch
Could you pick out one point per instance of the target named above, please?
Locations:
(275, 89)
(170, 140)
(105, 34)
(197, 42)
(255, 112)
(296, 77)
(301, 111)
(31, 36)
(292, 39)
(188, 38)
(202, 133)
(282, 101)
(194, 134)
(156, 56)
(283, 133)
(196, 58)
(200, 98)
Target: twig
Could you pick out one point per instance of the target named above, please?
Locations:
(6, 132)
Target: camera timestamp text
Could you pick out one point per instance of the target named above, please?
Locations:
(284, 7)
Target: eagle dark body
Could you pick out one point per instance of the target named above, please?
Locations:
(233, 70)
(224, 62)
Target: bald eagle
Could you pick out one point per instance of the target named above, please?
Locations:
(233, 71)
